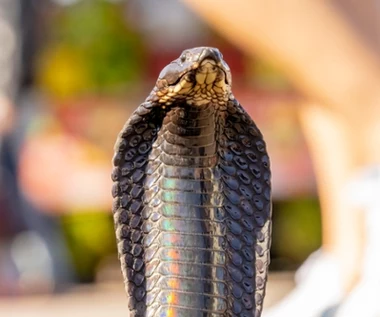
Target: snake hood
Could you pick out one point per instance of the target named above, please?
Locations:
(192, 197)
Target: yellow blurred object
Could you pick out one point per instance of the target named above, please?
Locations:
(62, 72)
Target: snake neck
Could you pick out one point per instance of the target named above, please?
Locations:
(188, 136)
(184, 229)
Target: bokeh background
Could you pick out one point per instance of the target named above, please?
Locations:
(78, 69)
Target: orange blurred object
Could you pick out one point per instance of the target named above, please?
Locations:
(61, 173)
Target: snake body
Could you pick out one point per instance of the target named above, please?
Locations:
(192, 196)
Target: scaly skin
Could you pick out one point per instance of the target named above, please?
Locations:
(192, 197)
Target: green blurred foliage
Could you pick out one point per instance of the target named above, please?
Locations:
(92, 50)
(296, 231)
(90, 237)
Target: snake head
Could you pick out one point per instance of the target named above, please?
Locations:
(199, 76)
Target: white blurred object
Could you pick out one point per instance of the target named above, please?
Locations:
(33, 262)
(318, 287)
(364, 192)
(167, 25)
(65, 2)
(10, 49)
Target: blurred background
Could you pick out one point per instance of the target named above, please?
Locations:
(72, 71)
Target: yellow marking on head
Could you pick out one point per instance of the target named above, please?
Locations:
(177, 88)
(200, 78)
(210, 78)
(218, 89)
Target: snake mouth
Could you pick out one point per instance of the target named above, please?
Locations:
(208, 72)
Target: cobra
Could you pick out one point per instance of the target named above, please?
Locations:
(192, 196)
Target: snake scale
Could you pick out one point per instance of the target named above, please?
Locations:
(192, 196)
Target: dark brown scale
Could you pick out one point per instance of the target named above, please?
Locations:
(192, 210)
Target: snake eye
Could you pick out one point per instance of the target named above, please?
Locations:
(183, 57)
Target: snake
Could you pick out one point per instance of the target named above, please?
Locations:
(192, 196)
